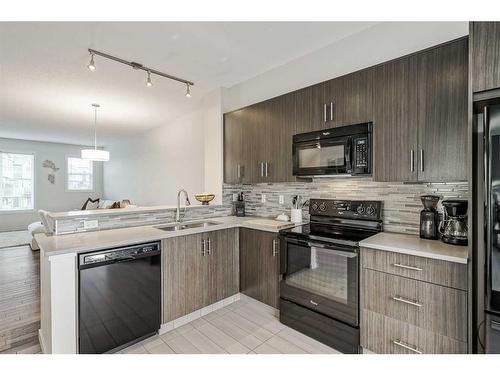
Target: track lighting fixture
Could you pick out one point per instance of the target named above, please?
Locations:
(91, 66)
(138, 66)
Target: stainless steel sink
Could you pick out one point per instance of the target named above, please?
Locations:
(176, 227)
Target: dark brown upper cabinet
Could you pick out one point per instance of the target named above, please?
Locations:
(351, 99)
(442, 75)
(420, 126)
(395, 121)
(485, 55)
(418, 104)
(311, 108)
(234, 167)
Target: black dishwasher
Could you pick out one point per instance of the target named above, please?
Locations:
(119, 297)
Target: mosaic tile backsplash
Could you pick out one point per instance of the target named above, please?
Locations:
(134, 219)
(401, 201)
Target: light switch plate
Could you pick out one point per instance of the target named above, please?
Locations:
(90, 224)
(263, 198)
(282, 199)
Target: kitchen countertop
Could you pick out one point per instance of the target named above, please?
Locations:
(414, 245)
(104, 239)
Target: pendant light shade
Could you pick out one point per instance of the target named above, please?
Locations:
(93, 153)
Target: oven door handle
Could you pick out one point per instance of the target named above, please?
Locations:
(351, 253)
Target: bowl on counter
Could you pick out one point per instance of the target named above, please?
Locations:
(204, 198)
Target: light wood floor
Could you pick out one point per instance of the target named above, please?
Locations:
(245, 326)
(19, 300)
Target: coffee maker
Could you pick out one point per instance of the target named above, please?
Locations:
(429, 217)
(454, 228)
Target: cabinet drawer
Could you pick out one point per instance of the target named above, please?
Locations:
(436, 308)
(433, 271)
(385, 335)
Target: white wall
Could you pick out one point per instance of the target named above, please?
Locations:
(150, 168)
(50, 197)
(382, 42)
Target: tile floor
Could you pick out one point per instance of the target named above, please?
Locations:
(244, 327)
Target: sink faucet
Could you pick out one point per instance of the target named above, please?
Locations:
(187, 203)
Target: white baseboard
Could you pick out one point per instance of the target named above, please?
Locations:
(41, 341)
(176, 323)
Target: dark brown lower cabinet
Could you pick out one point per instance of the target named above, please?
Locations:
(259, 265)
(199, 270)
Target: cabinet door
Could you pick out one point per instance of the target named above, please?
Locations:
(197, 270)
(395, 121)
(311, 108)
(269, 263)
(485, 55)
(224, 264)
(351, 98)
(249, 263)
(233, 147)
(442, 75)
(174, 278)
(259, 267)
(281, 127)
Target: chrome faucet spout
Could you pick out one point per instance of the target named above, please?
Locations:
(178, 217)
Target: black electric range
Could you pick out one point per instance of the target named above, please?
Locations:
(319, 263)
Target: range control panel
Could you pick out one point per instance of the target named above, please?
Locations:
(346, 209)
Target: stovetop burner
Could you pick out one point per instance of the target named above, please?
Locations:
(343, 221)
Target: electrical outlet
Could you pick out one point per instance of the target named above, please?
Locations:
(282, 199)
(235, 197)
(90, 224)
(263, 198)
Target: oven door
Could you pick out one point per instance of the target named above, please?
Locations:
(322, 277)
(327, 156)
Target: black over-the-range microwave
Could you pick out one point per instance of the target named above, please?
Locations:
(345, 150)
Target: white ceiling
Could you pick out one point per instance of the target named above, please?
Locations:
(46, 90)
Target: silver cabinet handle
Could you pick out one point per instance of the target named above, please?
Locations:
(407, 267)
(209, 246)
(412, 160)
(203, 246)
(331, 111)
(267, 167)
(402, 344)
(421, 160)
(313, 303)
(324, 112)
(239, 171)
(275, 248)
(261, 169)
(407, 301)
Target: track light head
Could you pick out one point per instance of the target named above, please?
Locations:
(149, 83)
(188, 90)
(91, 65)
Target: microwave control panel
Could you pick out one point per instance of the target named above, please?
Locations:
(361, 152)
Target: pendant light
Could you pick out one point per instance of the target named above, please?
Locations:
(93, 153)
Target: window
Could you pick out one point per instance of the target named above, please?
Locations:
(17, 181)
(80, 174)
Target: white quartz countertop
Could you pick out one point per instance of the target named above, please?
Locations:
(414, 245)
(98, 240)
